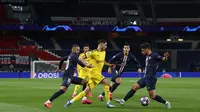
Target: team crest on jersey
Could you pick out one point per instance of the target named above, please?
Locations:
(98, 61)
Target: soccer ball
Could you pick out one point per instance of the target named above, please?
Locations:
(144, 101)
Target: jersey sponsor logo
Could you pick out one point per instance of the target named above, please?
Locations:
(48, 75)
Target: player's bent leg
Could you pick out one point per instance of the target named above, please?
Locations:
(100, 97)
(129, 94)
(115, 85)
(158, 98)
(54, 96)
(79, 96)
(84, 99)
(77, 87)
(84, 83)
(75, 90)
(91, 86)
(106, 90)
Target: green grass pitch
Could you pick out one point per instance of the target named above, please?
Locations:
(28, 95)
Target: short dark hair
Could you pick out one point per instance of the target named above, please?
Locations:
(145, 45)
(126, 44)
(86, 45)
(101, 41)
(75, 45)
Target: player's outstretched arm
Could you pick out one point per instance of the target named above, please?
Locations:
(82, 58)
(134, 60)
(82, 64)
(110, 65)
(61, 63)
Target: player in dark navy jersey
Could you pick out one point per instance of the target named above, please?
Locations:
(121, 60)
(149, 80)
(68, 78)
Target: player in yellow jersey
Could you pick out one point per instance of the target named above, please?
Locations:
(97, 59)
(83, 73)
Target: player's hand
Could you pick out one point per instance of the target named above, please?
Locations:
(166, 54)
(58, 70)
(113, 65)
(139, 70)
(90, 66)
(110, 70)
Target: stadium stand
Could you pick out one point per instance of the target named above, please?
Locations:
(139, 12)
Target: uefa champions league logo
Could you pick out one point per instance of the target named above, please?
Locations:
(65, 27)
(131, 28)
(191, 29)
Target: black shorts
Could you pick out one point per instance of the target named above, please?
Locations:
(72, 80)
(150, 83)
(114, 75)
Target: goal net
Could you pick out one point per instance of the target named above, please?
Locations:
(46, 69)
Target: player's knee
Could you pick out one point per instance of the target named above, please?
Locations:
(106, 83)
(135, 87)
(87, 90)
(63, 88)
(152, 97)
(84, 82)
(118, 80)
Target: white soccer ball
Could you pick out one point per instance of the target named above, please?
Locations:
(144, 101)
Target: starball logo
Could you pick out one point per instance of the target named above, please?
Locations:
(55, 28)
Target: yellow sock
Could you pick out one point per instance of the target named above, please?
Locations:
(76, 88)
(79, 96)
(107, 95)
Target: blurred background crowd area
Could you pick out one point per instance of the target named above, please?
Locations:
(19, 49)
(100, 12)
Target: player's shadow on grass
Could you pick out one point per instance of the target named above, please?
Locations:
(86, 106)
(157, 108)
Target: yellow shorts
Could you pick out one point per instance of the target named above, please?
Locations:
(94, 80)
(83, 74)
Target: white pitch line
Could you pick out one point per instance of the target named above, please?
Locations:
(132, 81)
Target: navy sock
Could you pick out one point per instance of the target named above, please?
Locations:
(114, 87)
(84, 86)
(159, 99)
(129, 95)
(56, 95)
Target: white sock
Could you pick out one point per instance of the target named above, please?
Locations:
(71, 101)
(122, 100)
(101, 95)
(74, 93)
(108, 103)
(48, 101)
(84, 98)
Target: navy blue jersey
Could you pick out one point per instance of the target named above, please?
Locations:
(151, 64)
(122, 61)
(72, 61)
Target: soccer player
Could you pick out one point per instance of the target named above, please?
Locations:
(83, 72)
(68, 77)
(97, 59)
(121, 60)
(149, 79)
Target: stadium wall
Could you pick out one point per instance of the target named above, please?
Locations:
(125, 75)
